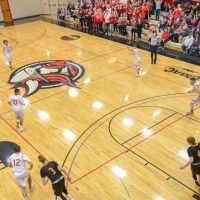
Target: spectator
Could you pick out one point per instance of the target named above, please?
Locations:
(89, 22)
(177, 12)
(194, 50)
(187, 43)
(139, 29)
(123, 24)
(158, 7)
(58, 13)
(107, 21)
(153, 47)
(162, 25)
(133, 24)
(164, 38)
(82, 18)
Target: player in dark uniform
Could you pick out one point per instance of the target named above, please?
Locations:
(52, 171)
(194, 159)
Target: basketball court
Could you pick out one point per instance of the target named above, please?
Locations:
(117, 135)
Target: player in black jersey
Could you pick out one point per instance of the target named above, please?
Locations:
(194, 159)
(52, 171)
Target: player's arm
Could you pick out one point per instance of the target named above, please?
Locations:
(45, 180)
(27, 160)
(9, 101)
(61, 169)
(191, 90)
(4, 52)
(30, 165)
(22, 101)
(189, 162)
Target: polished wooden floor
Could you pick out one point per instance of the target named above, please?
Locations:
(135, 126)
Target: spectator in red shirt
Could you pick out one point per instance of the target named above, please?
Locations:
(123, 25)
(177, 12)
(164, 38)
(111, 24)
(115, 20)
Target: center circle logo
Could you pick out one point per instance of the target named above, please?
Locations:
(46, 74)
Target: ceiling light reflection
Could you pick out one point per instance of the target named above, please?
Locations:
(127, 122)
(156, 113)
(126, 98)
(43, 115)
(87, 81)
(79, 53)
(160, 198)
(112, 60)
(69, 135)
(183, 154)
(73, 92)
(97, 105)
(119, 172)
(147, 132)
(48, 53)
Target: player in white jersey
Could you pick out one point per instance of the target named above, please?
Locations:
(136, 65)
(196, 100)
(7, 50)
(17, 161)
(17, 103)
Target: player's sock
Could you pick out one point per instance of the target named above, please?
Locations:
(21, 128)
(190, 113)
(17, 124)
(31, 188)
(69, 197)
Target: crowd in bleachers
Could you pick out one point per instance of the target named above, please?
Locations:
(178, 22)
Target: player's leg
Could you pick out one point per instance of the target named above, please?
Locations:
(17, 118)
(24, 193)
(155, 57)
(197, 172)
(137, 69)
(58, 189)
(193, 102)
(151, 56)
(29, 180)
(21, 178)
(10, 58)
(194, 175)
(65, 191)
(21, 120)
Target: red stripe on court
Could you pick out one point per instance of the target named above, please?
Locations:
(20, 135)
(126, 151)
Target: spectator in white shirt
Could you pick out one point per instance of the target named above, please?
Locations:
(187, 42)
(158, 7)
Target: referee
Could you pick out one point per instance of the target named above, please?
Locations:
(52, 171)
(194, 159)
(154, 40)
